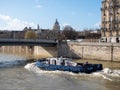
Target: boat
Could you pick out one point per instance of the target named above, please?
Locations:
(66, 64)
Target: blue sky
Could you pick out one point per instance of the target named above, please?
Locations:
(80, 14)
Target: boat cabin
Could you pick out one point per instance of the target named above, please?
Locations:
(60, 61)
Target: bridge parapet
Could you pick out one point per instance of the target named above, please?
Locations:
(33, 42)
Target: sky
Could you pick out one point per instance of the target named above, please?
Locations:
(80, 14)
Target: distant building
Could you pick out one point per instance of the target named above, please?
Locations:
(17, 34)
(89, 35)
(55, 34)
(110, 21)
(52, 34)
(56, 26)
(5, 34)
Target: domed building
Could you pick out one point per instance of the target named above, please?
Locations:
(56, 26)
(54, 34)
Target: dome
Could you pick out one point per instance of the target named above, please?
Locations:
(56, 26)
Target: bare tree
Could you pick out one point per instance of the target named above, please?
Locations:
(30, 34)
(69, 33)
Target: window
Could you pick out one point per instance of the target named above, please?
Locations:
(111, 4)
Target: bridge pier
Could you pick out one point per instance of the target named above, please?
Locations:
(29, 47)
(30, 51)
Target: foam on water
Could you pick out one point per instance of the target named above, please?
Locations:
(105, 73)
(108, 74)
(32, 67)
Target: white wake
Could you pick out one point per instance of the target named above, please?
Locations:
(106, 73)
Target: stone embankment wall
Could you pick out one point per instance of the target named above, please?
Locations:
(94, 51)
(30, 52)
(43, 52)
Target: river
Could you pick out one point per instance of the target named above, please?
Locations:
(16, 74)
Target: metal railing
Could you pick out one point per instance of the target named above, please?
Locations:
(34, 42)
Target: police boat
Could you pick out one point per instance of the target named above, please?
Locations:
(66, 64)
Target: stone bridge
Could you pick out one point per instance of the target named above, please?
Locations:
(27, 42)
(31, 48)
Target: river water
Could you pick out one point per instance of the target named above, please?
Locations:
(16, 74)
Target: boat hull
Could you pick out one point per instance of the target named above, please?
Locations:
(89, 68)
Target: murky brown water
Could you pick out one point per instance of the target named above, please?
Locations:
(106, 64)
(32, 78)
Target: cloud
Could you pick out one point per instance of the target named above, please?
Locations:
(13, 23)
(65, 24)
(97, 25)
(38, 6)
(4, 17)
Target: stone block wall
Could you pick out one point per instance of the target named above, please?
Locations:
(30, 52)
(116, 52)
(94, 51)
(43, 52)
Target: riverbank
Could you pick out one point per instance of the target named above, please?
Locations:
(94, 51)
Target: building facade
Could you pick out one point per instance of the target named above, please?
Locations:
(50, 34)
(56, 25)
(110, 27)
